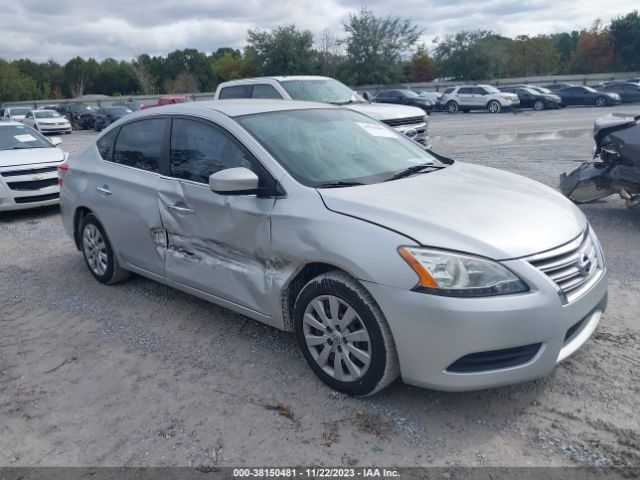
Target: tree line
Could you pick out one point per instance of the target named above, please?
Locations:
(371, 49)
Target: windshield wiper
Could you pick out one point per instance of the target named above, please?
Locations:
(413, 169)
(338, 184)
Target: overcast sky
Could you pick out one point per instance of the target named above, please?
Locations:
(62, 29)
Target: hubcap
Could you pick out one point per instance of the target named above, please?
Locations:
(337, 338)
(95, 249)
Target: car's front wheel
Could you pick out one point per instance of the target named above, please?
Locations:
(538, 105)
(494, 106)
(344, 335)
(452, 107)
(601, 102)
(98, 253)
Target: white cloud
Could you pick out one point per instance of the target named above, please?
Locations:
(42, 29)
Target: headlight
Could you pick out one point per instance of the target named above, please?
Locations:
(458, 275)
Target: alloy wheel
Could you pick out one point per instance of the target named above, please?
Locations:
(337, 338)
(494, 107)
(538, 105)
(95, 249)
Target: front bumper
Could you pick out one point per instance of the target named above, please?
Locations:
(433, 332)
(54, 128)
(29, 186)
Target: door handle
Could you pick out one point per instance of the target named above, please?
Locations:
(179, 209)
(104, 189)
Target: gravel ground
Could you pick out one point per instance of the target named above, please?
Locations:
(140, 374)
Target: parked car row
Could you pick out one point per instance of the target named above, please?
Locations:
(465, 98)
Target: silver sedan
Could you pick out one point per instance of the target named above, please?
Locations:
(385, 259)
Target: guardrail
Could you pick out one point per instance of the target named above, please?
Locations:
(591, 80)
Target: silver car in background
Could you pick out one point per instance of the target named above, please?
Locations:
(383, 258)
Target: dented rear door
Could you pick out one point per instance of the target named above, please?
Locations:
(218, 244)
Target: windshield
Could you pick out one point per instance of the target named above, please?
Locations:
(334, 145)
(321, 90)
(15, 137)
(543, 90)
(410, 93)
(46, 114)
(589, 89)
(20, 111)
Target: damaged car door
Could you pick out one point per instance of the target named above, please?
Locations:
(217, 243)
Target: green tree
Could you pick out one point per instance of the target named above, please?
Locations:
(473, 55)
(625, 37)
(565, 44)
(283, 51)
(15, 85)
(78, 75)
(375, 45)
(533, 56)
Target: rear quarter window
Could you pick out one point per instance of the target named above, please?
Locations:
(238, 91)
(265, 91)
(105, 144)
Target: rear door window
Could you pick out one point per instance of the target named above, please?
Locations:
(464, 91)
(238, 91)
(139, 144)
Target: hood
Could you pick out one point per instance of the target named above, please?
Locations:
(386, 111)
(29, 156)
(52, 121)
(467, 208)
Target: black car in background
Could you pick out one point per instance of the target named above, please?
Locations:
(79, 114)
(405, 97)
(579, 95)
(558, 86)
(629, 92)
(107, 115)
(530, 98)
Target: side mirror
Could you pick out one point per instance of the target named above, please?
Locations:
(55, 140)
(234, 181)
(366, 96)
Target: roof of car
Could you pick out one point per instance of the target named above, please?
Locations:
(235, 107)
(278, 78)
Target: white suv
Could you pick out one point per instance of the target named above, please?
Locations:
(409, 121)
(477, 97)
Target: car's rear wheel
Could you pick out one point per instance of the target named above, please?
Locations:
(494, 106)
(538, 105)
(344, 335)
(601, 102)
(98, 253)
(452, 107)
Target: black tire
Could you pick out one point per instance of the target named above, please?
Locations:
(538, 105)
(452, 107)
(383, 367)
(601, 102)
(494, 106)
(113, 272)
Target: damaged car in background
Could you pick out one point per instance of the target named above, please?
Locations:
(617, 171)
(383, 258)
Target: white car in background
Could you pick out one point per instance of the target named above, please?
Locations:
(47, 121)
(28, 167)
(14, 114)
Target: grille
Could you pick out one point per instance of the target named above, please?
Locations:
(37, 198)
(573, 267)
(399, 122)
(495, 359)
(33, 171)
(33, 184)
